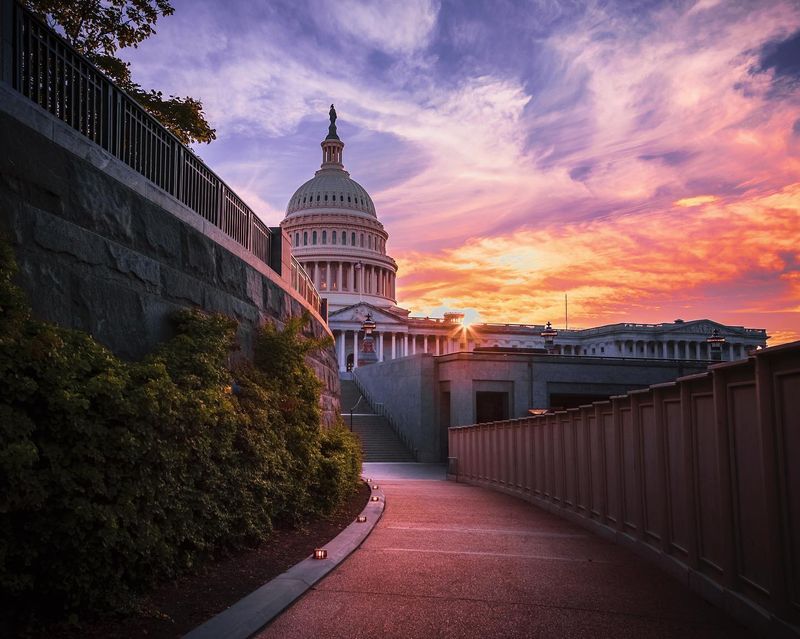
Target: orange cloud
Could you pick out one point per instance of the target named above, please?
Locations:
(696, 201)
(736, 261)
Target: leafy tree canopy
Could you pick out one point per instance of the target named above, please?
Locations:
(98, 28)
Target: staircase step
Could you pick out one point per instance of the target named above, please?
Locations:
(379, 442)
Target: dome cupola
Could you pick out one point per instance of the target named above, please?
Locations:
(336, 235)
(331, 187)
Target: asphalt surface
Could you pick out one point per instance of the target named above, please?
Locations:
(452, 560)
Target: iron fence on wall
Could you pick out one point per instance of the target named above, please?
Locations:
(43, 67)
(702, 473)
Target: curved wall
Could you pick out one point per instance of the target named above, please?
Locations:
(103, 250)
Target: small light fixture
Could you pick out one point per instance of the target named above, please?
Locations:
(374, 486)
(320, 553)
(361, 519)
(369, 480)
(715, 342)
(375, 498)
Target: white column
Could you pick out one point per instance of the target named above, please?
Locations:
(436, 337)
(355, 348)
(340, 348)
(424, 343)
(352, 277)
(663, 350)
(394, 351)
(380, 346)
(413, 344)
(339, 276)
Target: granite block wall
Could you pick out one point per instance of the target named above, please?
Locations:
(102, 250)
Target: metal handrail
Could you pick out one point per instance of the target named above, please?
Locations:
(42, 66)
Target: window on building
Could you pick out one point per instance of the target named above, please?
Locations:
(313, 237)
(297, 239)
(341, 198)
(305, 238)
(317, 197)
(369, 241)
(326, 197)
(333, 237)
(324, 237)
(348, 198)
(362, 240)
(344, 238)
(352, 239)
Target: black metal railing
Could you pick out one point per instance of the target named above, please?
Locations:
(48, 71)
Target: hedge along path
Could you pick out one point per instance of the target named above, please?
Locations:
(115, 475)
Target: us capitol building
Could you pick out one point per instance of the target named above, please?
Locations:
(337, 237)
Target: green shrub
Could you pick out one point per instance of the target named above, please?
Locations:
(114, 475)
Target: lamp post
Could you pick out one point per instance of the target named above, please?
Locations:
(367, 354)
(715, 342)
(549, 335)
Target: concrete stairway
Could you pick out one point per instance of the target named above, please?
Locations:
(378, 441)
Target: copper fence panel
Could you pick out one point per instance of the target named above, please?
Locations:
(596, 480)
(582, 461)
(611, 460)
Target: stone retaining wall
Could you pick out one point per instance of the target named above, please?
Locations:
(102, 250)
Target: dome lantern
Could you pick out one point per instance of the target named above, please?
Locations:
(332, 146)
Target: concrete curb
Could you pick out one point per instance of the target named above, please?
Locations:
(253, 612)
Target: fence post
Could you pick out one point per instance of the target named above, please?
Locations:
(778, 555)
(7, 41)
(219, 214)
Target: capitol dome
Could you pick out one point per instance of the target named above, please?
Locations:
(336, 236)
(331, 188)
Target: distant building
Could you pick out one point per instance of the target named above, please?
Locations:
(337, 237)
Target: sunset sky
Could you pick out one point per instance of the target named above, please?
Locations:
(643, 157)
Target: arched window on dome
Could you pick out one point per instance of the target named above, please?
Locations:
(326, 197)
(341, 198)
(313, 237)
(348, 198)
(369, 241)
(362, 240)
(333, 237)
(352, 239)
(325, 236)
(344, 238)
(304, 199)
(297, 239)
(305, 238)
(317, 197)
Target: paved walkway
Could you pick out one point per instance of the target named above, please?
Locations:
(452, 560)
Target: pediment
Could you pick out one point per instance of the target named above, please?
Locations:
(357, 313)
(698, 327)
